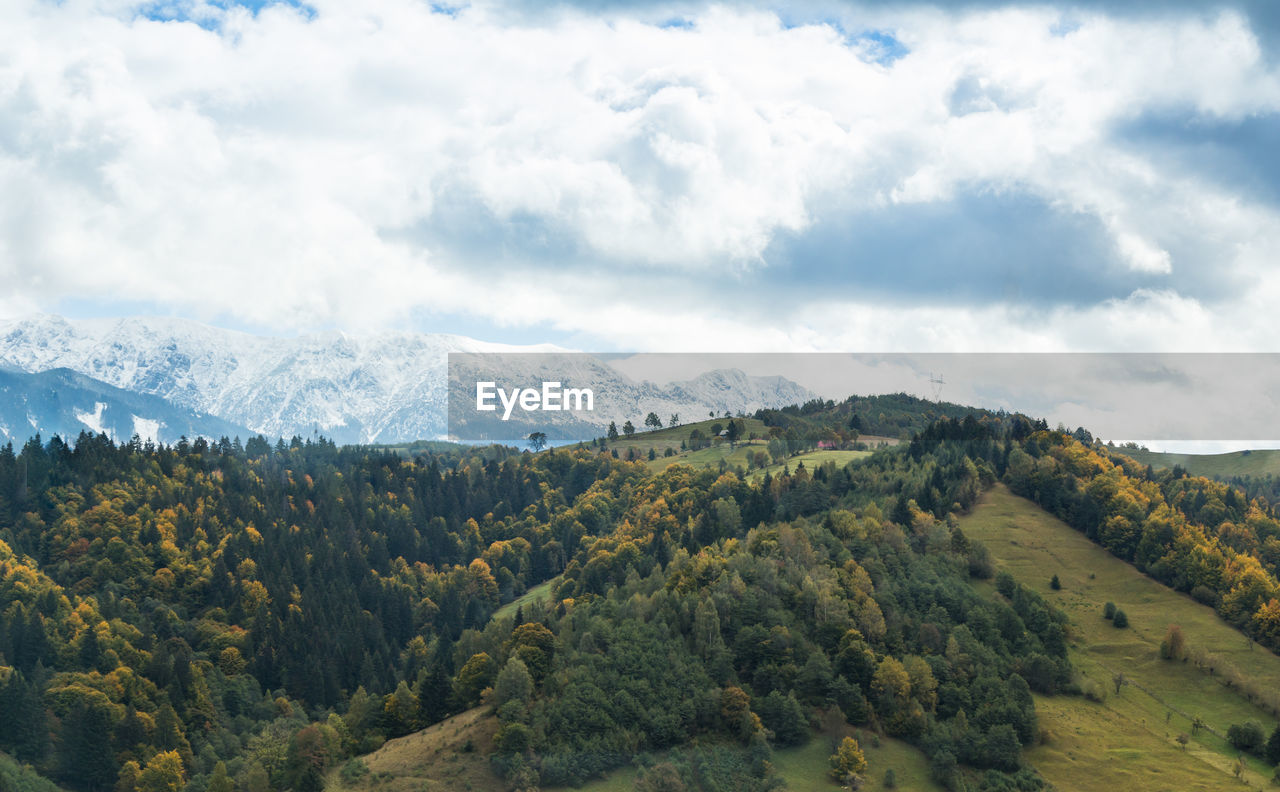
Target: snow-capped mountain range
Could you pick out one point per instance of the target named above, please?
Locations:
(617, 397)
(379, 388)
(62, 402)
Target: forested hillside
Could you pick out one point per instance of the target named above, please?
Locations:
(1194, 534)
(219, 617)
(227, 617)
(174, 608)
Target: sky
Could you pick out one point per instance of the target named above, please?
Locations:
(823, 176)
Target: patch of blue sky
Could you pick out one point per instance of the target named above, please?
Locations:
(1064, 27)
(207, 13)
(677, 23)
(881, 45)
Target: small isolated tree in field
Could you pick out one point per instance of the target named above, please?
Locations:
(613, 431)
(653, 421)
(628, 429)
(1055, 584)
(538, 440)
(1108, 610)
(1174, 645)
(848, 760)
(1119, 620)
(674, 420)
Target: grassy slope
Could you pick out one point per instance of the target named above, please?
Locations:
(1238, 463)
(435, 759)
(805, 768)
(711, 456)
(813, 459)
(1125, 742)
(539, 593)
(672, 437)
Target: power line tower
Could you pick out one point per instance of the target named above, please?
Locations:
(937, 383)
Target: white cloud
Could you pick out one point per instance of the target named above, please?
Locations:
(290, 170)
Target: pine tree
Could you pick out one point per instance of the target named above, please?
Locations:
(219, 782)
(85, 759)
(24, 729)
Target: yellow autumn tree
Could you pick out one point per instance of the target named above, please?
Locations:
(848, 760)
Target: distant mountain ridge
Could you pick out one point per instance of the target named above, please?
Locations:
(617, 397)
(65, 403)
(388, 387)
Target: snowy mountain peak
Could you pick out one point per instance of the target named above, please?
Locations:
(383, 387)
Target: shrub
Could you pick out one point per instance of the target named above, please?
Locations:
(980, 564)
(890, 780)
(1119, 620)
(353, 771)
(1093, 691)
(1108, 610)
(1174, 645)
(1055, 584)
(1246, 736)
(1006, 585)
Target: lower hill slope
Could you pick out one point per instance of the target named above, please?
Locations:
(1130, 738)
(451, 755)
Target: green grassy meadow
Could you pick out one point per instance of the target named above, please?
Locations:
(1129, 740)
(539, 593)
(1236, 463)
(805, 767)
(720, 451)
